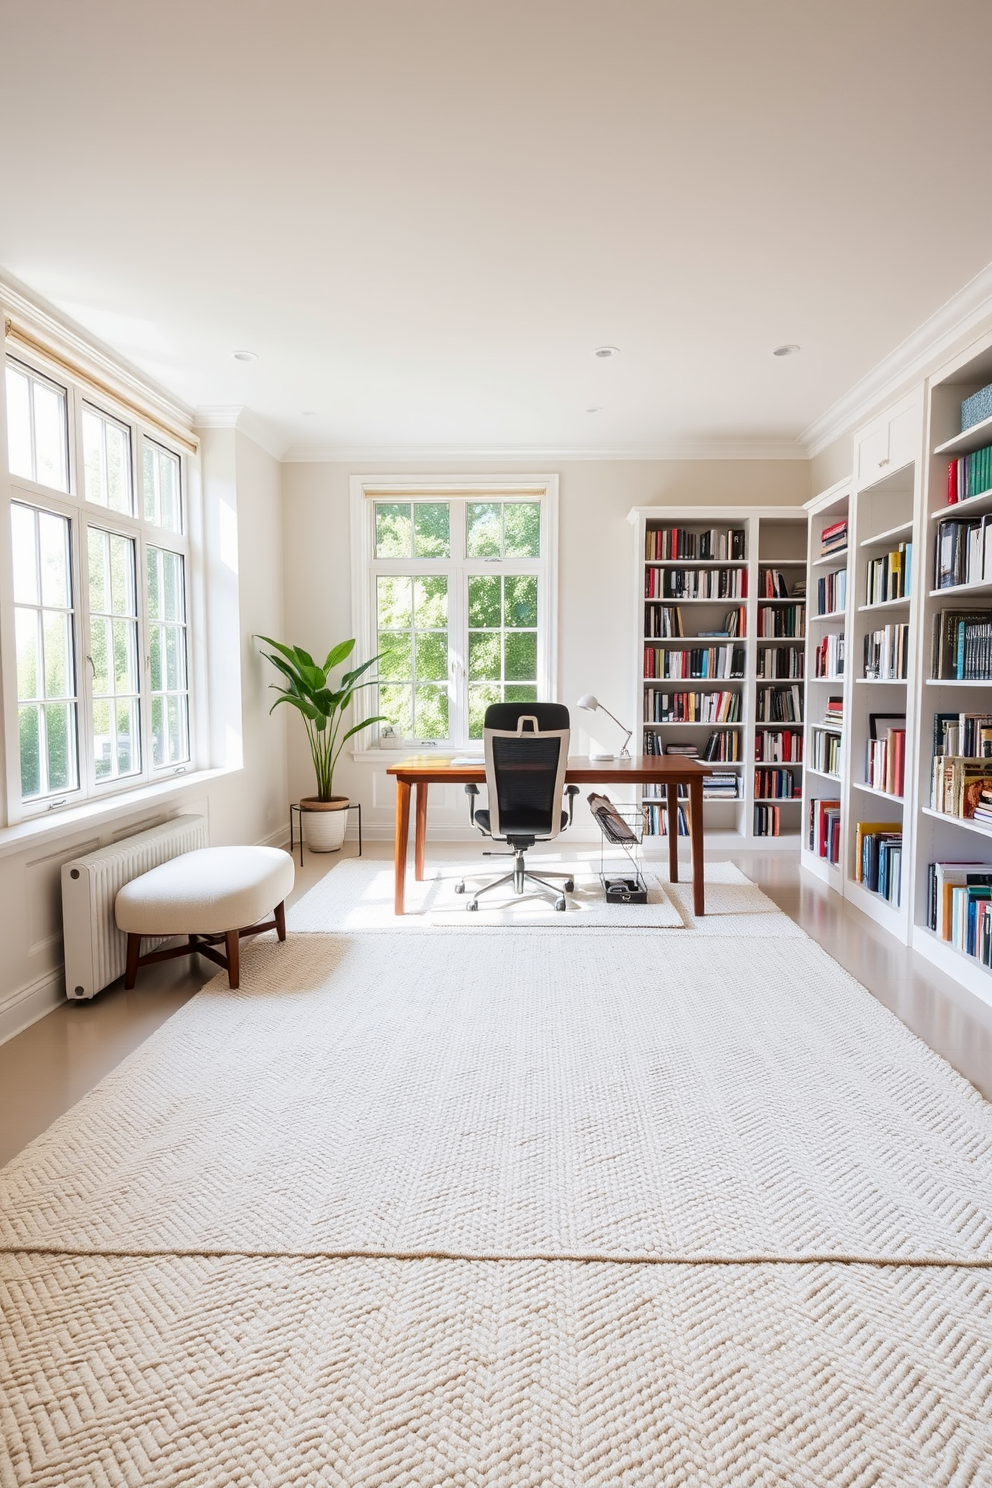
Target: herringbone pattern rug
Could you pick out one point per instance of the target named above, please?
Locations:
(508, 1209)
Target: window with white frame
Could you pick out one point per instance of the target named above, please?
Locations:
(459, 604)
(97, 597)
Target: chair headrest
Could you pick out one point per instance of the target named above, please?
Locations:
(508, 717)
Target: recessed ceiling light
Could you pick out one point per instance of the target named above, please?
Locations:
(245, 356)
(594, 410)
(606, 351)
(788, 350)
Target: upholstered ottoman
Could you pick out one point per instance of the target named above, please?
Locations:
(213, 894)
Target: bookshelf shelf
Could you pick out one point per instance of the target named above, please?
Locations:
(823, 774)
(885, 604)
(958, 682)
(957, 821)
(973, 506)
(953, 589)
(904, 530)
(834, 560)
(880, 681)
(774, 540)
(873, 790)
(974, 438)
(830, 615)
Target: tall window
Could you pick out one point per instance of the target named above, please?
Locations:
(98, 591)
(460, 607)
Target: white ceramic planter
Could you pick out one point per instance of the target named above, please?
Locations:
(324, 823)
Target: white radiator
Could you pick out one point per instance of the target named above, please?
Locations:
(94, 947)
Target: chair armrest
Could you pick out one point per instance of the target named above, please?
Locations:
(571, 792)
(471, 791)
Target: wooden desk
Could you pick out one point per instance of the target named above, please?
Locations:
(655, 769)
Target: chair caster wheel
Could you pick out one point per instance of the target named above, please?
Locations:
(560, 903)
(460, 887)
(471, 904)
(569, 885)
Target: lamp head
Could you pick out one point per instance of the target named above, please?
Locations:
(588, 702)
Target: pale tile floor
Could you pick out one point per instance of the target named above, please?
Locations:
(50, 1066)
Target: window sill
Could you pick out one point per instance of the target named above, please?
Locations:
(102, 809)
(390, 756)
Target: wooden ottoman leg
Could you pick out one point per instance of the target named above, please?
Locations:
(280, 919)
(131, 969)
(233, 942)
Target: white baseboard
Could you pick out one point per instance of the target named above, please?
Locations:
(278, 838)
(26, 1005)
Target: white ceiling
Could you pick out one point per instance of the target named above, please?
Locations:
(423, 215)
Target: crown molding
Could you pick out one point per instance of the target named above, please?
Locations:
(70, 342)
(245, 421)
(911, 359)
(703, 449)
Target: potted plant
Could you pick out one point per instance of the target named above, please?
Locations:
(323, 708)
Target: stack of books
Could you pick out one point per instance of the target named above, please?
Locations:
(969, 476)
(714, 544)
(782, 620)
(878, 858)
(885, 762)
(887, 653)
(963, 552)
(959, 906)
(833, 713)
(778, 746)
(691, 707)
(721, 786)
(723, 746)
(826, 753)
(775, 785)
(656, 820)
(773, 584)
(661, 622)
(962, 645)
(958, 785)
(891, 576)
(779, 704)
(695, 583)
(829, 656)
(694, 661)
(823, 830)
(983, 811)
(833, 539)
(780, 661)
(831, 593)
(767, 821)
(967, 734)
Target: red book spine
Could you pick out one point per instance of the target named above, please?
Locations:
(952, 482)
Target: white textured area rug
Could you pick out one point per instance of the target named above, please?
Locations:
(358, 895)
(223, 1373)
(577, 1095)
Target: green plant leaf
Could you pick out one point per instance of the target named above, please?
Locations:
(379, 718)
(288, 651)
(337, 655)
(350, 677)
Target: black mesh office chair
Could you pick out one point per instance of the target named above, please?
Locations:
(526, 748)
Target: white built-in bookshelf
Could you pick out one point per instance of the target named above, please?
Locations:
(748, 737)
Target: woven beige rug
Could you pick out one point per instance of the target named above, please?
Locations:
(357, 895)
(515, 1095)
(224, 1373)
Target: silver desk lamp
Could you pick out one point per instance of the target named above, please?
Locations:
(592, 704)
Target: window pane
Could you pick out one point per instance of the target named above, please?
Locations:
(521, 655)
(53, 541)
(431, 715)
(430, 602)
(125, 633)
(19, 442)
(58, 643)
(393, 529)
(480, 695)
(522, 529)
(50, 434)
(396, 704)
(485, 601)
(395, 656)
(394, 602)
(520, 694)
(24, 534)
(484, 538)
(60, 728)
(432, 656)
(178, 741)
(160, 480)
(484, 656)
(121, 551)
(520, 601)
(432, 537)
(106, 461)
(159, 748)
(128, 755)
(103, 741)
(28, 642)
(29, 723)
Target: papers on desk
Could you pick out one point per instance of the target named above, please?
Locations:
(468, 759)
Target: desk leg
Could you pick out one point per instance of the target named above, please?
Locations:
(696, 834)
(673, 832)
(420, 830)
(402, 834)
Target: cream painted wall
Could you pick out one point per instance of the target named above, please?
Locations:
(248, 805)
(596, 602)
